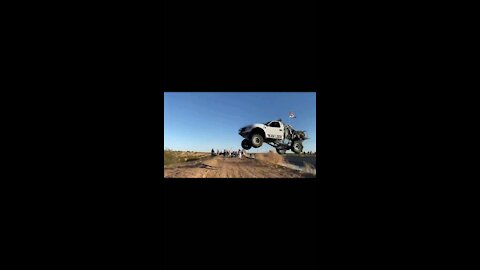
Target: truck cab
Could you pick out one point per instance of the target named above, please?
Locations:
(274, 130)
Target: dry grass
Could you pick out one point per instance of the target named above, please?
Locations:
(173, 157)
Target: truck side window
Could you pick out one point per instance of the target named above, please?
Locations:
(275, 124)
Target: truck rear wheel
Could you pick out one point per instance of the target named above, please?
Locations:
(297, 147)
(256, 140)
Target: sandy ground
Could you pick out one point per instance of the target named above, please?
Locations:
(217, 167)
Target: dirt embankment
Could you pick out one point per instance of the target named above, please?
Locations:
(275, 158)
(263, 166)
(271, 157)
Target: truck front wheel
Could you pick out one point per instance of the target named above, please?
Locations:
(246, 144)
(256, 140)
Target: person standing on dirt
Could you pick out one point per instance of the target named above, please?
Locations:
(213, 152)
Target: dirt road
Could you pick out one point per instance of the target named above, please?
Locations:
(217, 167)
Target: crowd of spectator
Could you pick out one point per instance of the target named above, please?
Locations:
(229, 153)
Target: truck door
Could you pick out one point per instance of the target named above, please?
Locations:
(274, 130)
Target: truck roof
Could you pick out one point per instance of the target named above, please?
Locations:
(278, 120)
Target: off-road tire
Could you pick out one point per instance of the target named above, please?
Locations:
(246, 144)
(281, 151)
(256, 140)
(297, 147)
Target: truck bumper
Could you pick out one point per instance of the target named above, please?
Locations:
(243, 134)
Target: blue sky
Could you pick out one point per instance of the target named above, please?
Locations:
(202, 121)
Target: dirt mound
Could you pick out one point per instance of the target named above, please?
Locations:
(271, 157)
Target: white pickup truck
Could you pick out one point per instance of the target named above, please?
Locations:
(275, 133)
